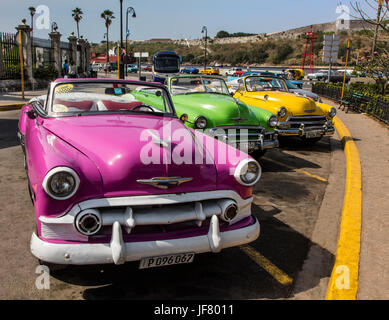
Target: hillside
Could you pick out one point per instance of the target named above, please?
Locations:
(263, 51)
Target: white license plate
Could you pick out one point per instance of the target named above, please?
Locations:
(162, 261)
(312, 134)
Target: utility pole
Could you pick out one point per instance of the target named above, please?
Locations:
(121, 65)
(205, 48)
(129, 10)
(379, 10)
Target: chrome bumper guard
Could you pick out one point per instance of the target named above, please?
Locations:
(118, 251)
(284, 128)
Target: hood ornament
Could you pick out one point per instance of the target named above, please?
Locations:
(164, 182)
(240, 116)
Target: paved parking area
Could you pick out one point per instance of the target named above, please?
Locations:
(287, 201)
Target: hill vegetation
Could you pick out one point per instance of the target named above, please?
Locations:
(263, 51)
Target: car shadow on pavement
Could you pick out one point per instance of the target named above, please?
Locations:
(8, 133)
(230, 274)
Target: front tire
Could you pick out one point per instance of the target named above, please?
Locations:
(257, 154)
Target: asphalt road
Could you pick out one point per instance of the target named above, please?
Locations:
(286, 202)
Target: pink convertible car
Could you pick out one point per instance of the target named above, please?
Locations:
(115, 180)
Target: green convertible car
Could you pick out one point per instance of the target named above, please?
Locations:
(203, 102)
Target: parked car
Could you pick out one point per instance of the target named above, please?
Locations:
(190, 70)
(205, 103)
(297, 116)
(102, 192)
(132, 68)
(318, 76)
(210, 71)
(305, 93)
(295, 74)
(97, 66)
(148, 68)
(235, 72)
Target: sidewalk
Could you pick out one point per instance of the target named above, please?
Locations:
(13, 98)
(372, 140)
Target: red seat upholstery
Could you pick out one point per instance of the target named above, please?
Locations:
(85, 105)
(113, 105)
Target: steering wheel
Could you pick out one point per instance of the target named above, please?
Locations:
(142, 106)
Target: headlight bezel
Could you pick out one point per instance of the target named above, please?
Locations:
(272, 119)
(199, 119)
(282, 112)
(241, 167)
(333, 113)
(46, 184)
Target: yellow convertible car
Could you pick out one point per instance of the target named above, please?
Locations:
(210, 71)
(297, 115)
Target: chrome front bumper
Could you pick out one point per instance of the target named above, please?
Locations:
(260, 140)
(118, 251)
(284, 129)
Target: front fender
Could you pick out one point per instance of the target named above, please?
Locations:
(46, 151)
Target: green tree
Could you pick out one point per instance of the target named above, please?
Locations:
(222, 34)
(107, 15)
(77, 16)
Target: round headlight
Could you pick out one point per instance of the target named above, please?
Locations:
(332, 112)
(273, 121)
(61, 183)
(248, 172)
(282, 112)
(201, 123)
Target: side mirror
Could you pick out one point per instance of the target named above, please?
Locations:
(31, 114)
(184, 118)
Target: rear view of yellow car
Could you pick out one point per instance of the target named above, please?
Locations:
(297, 115)
(297, 74)
(210, 71)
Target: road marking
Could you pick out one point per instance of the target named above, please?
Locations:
(266, 264)
(296, 169)
(349, 242)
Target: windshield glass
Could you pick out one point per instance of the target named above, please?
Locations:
(167, 64)
(265, 84)
(193, 85)
(103, 97)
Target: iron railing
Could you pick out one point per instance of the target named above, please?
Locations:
(9, 57)
(365, 102)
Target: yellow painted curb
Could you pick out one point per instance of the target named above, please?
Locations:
(343, 283)
(12, 106)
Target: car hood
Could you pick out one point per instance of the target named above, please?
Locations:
(218, 109)
(295, 105)
(115, 144)
(309, 94)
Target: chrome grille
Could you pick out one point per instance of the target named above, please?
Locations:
(234, 134)
(308, 121)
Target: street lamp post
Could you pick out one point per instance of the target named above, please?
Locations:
(129, 11)
(205, 47)
(107, 53)
(121, 66)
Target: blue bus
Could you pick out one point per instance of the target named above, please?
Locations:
(165, 64)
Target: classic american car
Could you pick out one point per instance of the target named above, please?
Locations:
(190, 70)
(297, 115)
(204, 103)
(132, 68)
(210, 71)
(104, 190)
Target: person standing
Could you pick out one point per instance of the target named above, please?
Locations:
(66, 68)
(72, 70)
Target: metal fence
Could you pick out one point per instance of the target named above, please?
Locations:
(9, 57)
(365, 102)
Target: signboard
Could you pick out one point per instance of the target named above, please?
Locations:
(331, 48)
(141, 54)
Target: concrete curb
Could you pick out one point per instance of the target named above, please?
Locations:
(12, 106)
(343, 284)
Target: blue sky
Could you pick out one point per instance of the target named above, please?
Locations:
(176, 19)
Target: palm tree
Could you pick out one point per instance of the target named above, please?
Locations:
(77, 16)
(107, 15)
